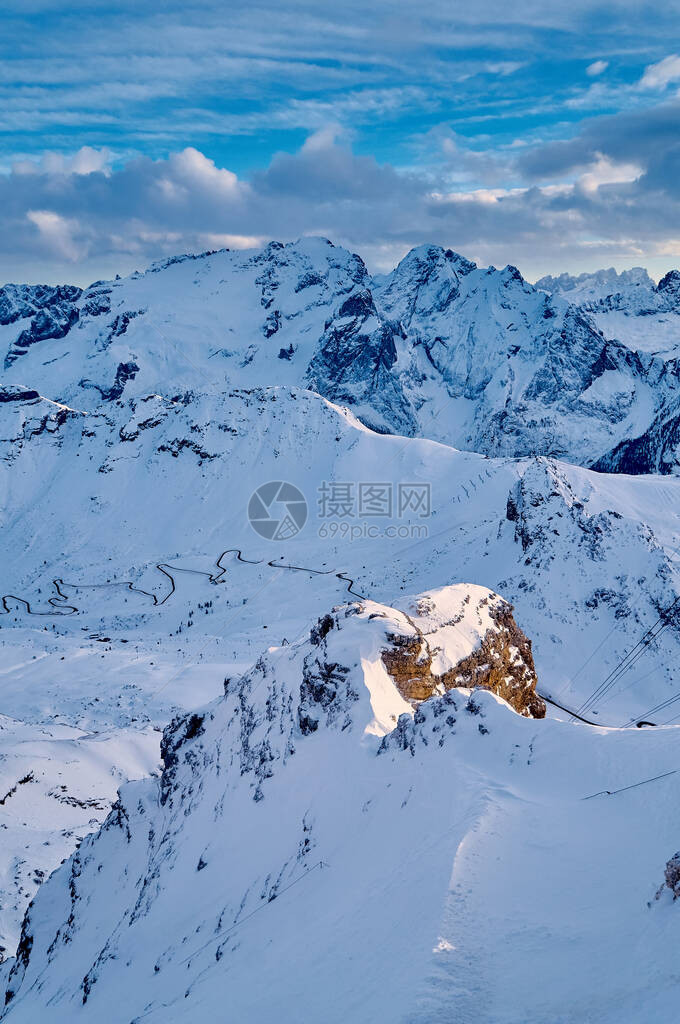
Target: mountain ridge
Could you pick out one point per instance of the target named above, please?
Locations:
(477, 358)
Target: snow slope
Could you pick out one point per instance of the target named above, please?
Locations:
(130, 509)
(374, 873)
(173, 489)
(57, 784)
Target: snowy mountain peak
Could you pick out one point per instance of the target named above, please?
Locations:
(427, 279)
(669, 286)
(424, 256)
(590, 287)
(477, 358)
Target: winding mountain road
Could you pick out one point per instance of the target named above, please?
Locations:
(167, 570)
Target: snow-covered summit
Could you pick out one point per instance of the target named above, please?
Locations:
(439, 348)
(627, 306)
(589, 288)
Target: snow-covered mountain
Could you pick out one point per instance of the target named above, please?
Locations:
(312, 833)
(600, 286)
(646, 317)
(117, 615)
(106, 503)
(477, 358)
(627, 306)
(333, 806)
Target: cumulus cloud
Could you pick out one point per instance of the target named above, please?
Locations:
(598, 67)
(83, 161)
(610, 193)
(641, 136)
(57, 233)
(661, 74)
(191, 171)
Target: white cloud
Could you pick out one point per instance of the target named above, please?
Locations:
(322, 138)
(57, 232)
(597, 68)
(212, 240)
(608, 172)
(85, 160)
(198, 171)
(591, 196)
(484, 196)
(661, 74)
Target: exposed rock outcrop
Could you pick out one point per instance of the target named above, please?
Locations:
(474, 643)
(53, 312)
(672, 875)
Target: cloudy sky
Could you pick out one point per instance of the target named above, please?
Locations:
(542, 134)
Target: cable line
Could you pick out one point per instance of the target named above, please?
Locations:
(624, 789)
(662, 706)
(632, 657)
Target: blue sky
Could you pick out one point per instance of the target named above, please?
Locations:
(542, 134)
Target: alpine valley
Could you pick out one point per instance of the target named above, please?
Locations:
(410, 755)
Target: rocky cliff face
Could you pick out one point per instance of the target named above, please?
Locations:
(657, 450)
(354, 366)
(39, 311)
(524, 373)
(627, 306)
(498, 657)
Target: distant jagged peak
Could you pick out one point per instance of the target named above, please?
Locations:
(18, 301)
(597, 284)
(631, 292)
(670, 284)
